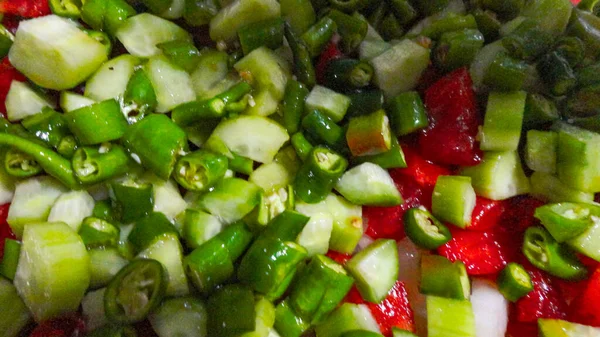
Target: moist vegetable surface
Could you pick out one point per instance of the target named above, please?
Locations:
(328, 168)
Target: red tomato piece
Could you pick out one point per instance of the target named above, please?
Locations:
(519, 213)
(331, 52)
(585, 308)
(482, 252)
(421, 170)
(518, 329)
(5, 231)
(393, 311)
(453, 122)
(11, 23)
(487, 214)
(340, 258)
(545, 301)
(7, 74)
(66, 326)
(25, 8)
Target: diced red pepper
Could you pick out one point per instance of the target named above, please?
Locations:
(487, 214)
(575, 2)
(450, 137)
(340, 258)
(11, 23)
(545, 301)
(5, 231)
(585, 308)
(25, 8)
(66, 326)
(393, 311)
(331, 52)
(7, 74)
(519, 213)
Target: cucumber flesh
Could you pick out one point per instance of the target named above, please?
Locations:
(15, 314)
(560, 328)
(172, 85)
(33, 201)
(22, 101)
(71, 208)
(265, 70)
(271, 177)
(70, 101)
(212, 68)
(224, 26)
(369, 184)
(105, 264)
(92, 306)
(254, 137)
(265, 319)
(316, 234)
(110, 80)
(347, 317)
(587, 243)
(182, 317)
(141, 33)
(448, 317)
(167, 199)
(231, 199)
(54, 270)
(375, 269)
(167, 250)
(175, 11)
(548, 187)
(54, 53)
(7, 186)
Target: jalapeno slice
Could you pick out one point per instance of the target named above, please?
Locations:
(135, 291)
(424, 229)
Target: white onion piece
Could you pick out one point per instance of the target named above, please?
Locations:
(409, 273)
(490, 308)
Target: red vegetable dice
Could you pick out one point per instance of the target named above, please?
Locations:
(487, 214)
(421, 170)
(585, 309)
(25, 8)
(331, 52)
(450, 137)
(340, 258)
(7, 74)
(393, 311)
(545, 301)
(66, 326)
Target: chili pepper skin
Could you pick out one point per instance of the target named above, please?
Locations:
(457, 49)
(392, 158)
(352, 29)
(506, 73)
(263, 33)
(106, 15)
(93, 165)
(293, 105)
(302, 146)
(181, 53)
(131, 200)
(49, 126)
(97, 123)
(158, 142)
(303, 65)
(425, 230)
(209, 265)
(200, 170)
(20, 165)
(407, 113)
(318, 174)
(514, 282)
(528, 40)
(344, 74)
(232, 311)
(135, 291)
(364, 101)
(317, 36)
(369, 134)
(139, 96)
(566, 220)
(557, 74)
(98, 233)
(324, 130)
(571, 49)
(67, 8)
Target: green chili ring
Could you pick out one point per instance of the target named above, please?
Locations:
(425, 230)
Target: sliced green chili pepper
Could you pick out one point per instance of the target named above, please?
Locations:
(157, 6)
(103, 210)
(592, 6)
(349, 6)
(97, 123)
(571, 49)
(364, 101)
(407, 113)
(53, 163)
(586, 26)
(344, 74)
(267, 33)
(209, 265)
(96, 232)
(369, 134)
(361, 333)
(236, 237)
(584, 102)
(158, 142)
(66, 8)
(303, 66)
(232, 311)
(131, 200)
(545, 253)
(10, 258)
(505, 73)
(378, 14)
(352, 29)
(135, 291)
(539, 111)
(293, 105)
(106, 15)
(302, 146)
(139, 97)
(457, 49)
(317, 36)
(528, 40)
(287, 322)
(200, 12)
(449, 23)
(566, 220)
(200, 170)
(317, 175)
(514, 282)
(507, 9)
(6, 41)
(443, 278)
(49, 126)
(390, 28)
(93, 165)
(588, 75)
(324, 130)
(150, 228)
(393, 158)
(67, 146)
(424, 229)
(101, 37)
(556, 73)
(286, 226)
(487, 23)
(20, 165)
(403, 10)
(237, 163)
(430, 7)
(181, 53)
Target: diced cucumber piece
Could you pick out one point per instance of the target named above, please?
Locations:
(369, 49)
(264, 103)
(7, 186)
(447, 317)
(70, 101)
(578, 158)
(560, 328)
(444, 278)
(22, 101)
(405, 60)
(199, 227)
(375, 269)
(501, 129)
(167, 250)
(224, 26)
(54, 270)
(271, 177)
(265, 318)
(167, 199)
(231, 199)
(265, 70)
(105, 264)
(175, 11)
(212, 68)
(548, 187)
(347, 221)
(110, 81)
(329, 102)
(15, 314)
(347, 317)
(172, 85)
(54, 53)
(369, 184)
(71, 208)
(551, 15)
(540, 151)
(588, 243)
(499, 176)
(182, 317)
(453, 200)
(141, 33)
(254, 137)
(316, 234)
(33, 201)
(92, 307)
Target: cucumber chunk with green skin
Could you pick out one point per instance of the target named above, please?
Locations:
(238, 13)
(566, 220)
(578, 158)
(22, 101)
(499, 176)
(560, 328)
(254, 137)
(70, 101)
(265, 70)
(172, 85)
(7, 186)
(329, 102)
(54, 53)
(540, 151)
(71, 208)
(453, 200)
(15, 314)
(182, 317)
(54, 270)
(369, 184)
(316, 234)
(501, 129)
(265, 318)
(110, 80)
(347, 317)
(166, 196)
(33, 201)
(212, 68)
(447, 317)
(231, 199)
(141, 33)
(105, 264)
(375, 269)
(587, 243)
(548, 187)
(443, 278)
(175, 11)
(271, 177)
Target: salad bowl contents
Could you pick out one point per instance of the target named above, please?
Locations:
(327, 168)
